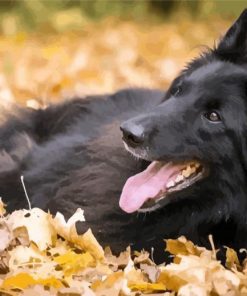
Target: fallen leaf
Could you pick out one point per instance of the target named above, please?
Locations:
(72, 262)
(193, 290)
(232, 260)
(151, 271)
(2, 207)
(24, 280)
(35, 223)
(181, 246)
(22, 255)
(108, 282)
(5, 236)
(148, 287)
(86, 241)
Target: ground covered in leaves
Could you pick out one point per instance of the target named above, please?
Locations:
(103, 56)
(43, 255)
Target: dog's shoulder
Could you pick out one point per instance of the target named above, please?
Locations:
(96, 109)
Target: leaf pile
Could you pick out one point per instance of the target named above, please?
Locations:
(44, 255)
(99, 57)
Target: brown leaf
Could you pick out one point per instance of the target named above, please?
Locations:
(182, 246)
(232, 260)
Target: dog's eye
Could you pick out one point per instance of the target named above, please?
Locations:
(212, 116)
(176, 90)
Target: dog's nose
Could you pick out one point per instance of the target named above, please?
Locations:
(133, 134)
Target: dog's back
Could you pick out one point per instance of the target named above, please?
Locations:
(71, 155)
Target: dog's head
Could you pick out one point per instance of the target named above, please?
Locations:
(197, 133)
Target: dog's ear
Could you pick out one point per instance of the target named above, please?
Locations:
(233, 46)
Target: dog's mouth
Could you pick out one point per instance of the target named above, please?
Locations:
(144, 191)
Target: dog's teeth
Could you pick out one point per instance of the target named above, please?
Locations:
(190, 169)
(179, 178)
(170, 184)
(186, 173)
(193, 170)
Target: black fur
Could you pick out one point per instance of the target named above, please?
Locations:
(72, 154)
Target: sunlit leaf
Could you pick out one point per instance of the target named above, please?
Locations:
(148, 287)
(231, 258)
(72, 262)
(23, 280)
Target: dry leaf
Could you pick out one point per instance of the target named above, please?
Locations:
(22, 255)
(147, 287)
(40, 251)
(72, 262)
(192, 290)
(181, 246)
(23, 280)
(37, 225)
(232, 260)
(114, 285)
(2, 207)
(151, 271)
(5, 236)
(67, 230)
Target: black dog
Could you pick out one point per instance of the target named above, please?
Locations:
(190, 172)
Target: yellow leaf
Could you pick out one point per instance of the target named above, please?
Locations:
(172, 282)
(86, 241)
(142, 257)
(116, 262)
(2, 207)
(147, 287)
(49, 51)
(61, 247)
(135, 276)
(108, 282)
(231, 258)
(72, 262)
(181, 246)
(51, 282)
(23, 280)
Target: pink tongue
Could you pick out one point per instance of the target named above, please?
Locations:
(147, 184)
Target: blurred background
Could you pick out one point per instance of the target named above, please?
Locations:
(52, 49)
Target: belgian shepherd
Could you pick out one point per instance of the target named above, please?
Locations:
(145, 165)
